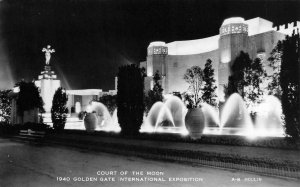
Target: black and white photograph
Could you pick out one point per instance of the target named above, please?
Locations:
(150, 93)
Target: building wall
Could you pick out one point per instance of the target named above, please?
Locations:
(155, 63)
(263, 44)
(84, 101)
(256, 37)
(176, 66)
(259, 45)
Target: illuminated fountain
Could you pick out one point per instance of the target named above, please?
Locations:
(269, 118)
(211, 119)
(166, 117)
(106, 122)
(235, 119)
(150, 121)
(177, 110)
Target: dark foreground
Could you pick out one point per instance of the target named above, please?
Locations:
(39, 165)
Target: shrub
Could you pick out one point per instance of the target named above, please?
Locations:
(5, 106)
(59, 110)
(130, 99)
(29, 97)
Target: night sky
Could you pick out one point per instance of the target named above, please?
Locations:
(93, 38)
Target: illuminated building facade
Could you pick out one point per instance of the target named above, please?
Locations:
(255, 36)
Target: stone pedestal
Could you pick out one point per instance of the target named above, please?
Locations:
(48, 84)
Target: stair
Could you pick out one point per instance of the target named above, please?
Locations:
(30, 135)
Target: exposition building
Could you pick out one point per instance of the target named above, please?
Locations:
(255, 36)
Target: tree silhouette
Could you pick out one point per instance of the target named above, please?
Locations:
(5, 106)
(289, 82)
(246, 79)
(209, 96)
(130, 99)
(29, 97)
(59, 110)
(274, 60)
(155, 94)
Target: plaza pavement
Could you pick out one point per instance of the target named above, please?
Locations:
(36, 165)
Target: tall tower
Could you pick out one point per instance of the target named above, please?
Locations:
(233, 40)
(156, 61)
(47, 81)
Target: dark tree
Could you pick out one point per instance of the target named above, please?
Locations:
(274, 60)
(236, 82)
(155, 94)
(110, 101)
(5, 106)
(230, 88)
(246, 79)
(209, 95)
(130, 99)
(238, 70)
(254, 77)
(29, 97)
(59, 109)
(289, 82)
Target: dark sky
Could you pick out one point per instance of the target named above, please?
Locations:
(93, 38)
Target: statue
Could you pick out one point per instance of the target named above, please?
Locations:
(48, 52)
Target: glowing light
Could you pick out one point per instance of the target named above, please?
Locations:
(77, 107)
(225, 56)
(16, 89)
(157, 43)
(84, 92)
(233, 20)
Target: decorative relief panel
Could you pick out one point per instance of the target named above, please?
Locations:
(234, 29)
(157, 50)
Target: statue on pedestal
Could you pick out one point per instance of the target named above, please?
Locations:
(48, 52)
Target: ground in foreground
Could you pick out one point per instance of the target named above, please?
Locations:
(40, 165)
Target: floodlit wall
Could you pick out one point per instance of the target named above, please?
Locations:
(176, 66)
(255, 36)
(47, 88)
(263, 44)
